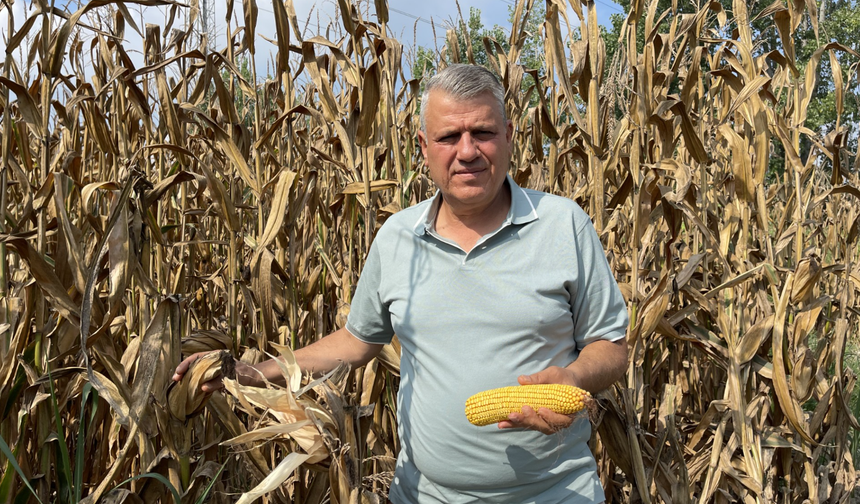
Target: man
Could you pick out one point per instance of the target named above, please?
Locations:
(486, 285)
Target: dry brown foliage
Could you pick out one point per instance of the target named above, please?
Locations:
(157, 211)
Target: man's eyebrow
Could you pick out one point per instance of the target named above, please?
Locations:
(446, 132)
(485, 126)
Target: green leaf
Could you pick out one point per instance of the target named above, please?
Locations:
(65, 469)
(82, 432)
(14, 392)
(211, 483)
(176, 498)
(6, 482)
(22, 497)
(14, 461)
(20, 382)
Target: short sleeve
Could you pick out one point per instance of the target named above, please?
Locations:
(369, 319)
(599, 310)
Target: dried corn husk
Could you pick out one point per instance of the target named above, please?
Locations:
(185, 398)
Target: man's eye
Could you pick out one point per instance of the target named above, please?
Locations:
(448, 138)
(485, 135)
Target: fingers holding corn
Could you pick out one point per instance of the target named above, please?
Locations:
(546, 420)
(195, 378)
(208, 386)
(543, 420)
(547, 408)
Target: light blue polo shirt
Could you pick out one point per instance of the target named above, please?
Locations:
(528, 296)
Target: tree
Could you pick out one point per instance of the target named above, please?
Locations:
(472, 32)
(838, 21)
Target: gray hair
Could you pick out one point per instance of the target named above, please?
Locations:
(463, 81)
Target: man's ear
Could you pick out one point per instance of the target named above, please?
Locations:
(422, 142)
(509, 131)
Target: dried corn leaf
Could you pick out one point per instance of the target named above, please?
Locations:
(274, 480)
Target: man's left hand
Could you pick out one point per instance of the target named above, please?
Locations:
(599, 365)
(542, 420)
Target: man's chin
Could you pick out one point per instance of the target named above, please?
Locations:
(468, 196)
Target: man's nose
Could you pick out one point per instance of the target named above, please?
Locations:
(467, 149)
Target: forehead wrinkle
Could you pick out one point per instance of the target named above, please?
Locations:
(466, 120)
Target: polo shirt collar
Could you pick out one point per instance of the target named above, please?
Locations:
(522, 209)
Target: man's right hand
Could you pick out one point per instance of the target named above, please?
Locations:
(245, 373)
(319, 357)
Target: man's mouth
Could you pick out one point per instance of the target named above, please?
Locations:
(469, 171)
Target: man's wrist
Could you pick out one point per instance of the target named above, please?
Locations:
(573, 376)
(250, 376)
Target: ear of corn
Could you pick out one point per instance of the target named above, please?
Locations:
(205, 341)
(184, 398)
(493, 406)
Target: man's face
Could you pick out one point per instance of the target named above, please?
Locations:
(467, 148)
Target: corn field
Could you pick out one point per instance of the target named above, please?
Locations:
(184, 205)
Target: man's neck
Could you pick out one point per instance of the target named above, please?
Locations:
(465, 226)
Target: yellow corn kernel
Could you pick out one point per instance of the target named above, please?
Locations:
(493, 406)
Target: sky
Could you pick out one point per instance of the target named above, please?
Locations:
(409, 21)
